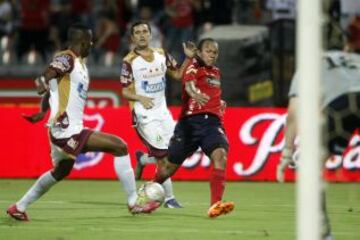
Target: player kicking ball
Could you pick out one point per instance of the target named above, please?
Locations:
(201, 125)
(65, 84)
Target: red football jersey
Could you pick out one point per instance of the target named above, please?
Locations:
(207, 79)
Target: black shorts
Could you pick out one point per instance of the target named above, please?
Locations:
(343, 118)
(203, 130)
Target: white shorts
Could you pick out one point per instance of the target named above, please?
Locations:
(57, 154)
(68, 148)
(158, 131)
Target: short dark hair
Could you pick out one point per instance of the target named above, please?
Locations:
(203, 41)
(137, 24)
(76, 31)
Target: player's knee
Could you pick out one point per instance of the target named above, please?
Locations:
(63, 169)
(164, 170)
(120, 148)
(219, 158)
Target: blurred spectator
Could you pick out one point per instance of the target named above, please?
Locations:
(282, 25)
(81, 11)
(6, 18)
(156, 7)
(146, 15)
(282, 43)
(282, 9)
(107, 37)
(179, 27)
(34, 29)
(7, 26)
(349, 8)
(212, 12)
(66, 12)
(354, 33)
(249, 11)
(120, 10)
(334, 38)
(61, 19)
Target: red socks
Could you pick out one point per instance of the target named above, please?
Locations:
(217, 185)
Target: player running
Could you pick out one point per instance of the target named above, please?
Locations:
(66, 82)
(200, 124)
(143, 80)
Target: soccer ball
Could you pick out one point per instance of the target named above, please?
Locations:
(153, 192)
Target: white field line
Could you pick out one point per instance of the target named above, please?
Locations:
(75, 202)
(161, 230)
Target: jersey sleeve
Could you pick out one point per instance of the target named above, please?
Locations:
(62, 64)
(190, 72)
(126, 77)
(171, 63)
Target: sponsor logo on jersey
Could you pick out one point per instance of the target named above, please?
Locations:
(72, 143)
(212, 81)
(82, 91)
(153, 87)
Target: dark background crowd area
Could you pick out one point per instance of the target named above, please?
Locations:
(257, 56)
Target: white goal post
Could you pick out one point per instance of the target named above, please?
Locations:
(309, 50)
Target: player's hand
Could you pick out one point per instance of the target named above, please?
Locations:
(41, 86)
(201, 98)
(147, 102)
(285, 160)
(34, 118)
(189, 49)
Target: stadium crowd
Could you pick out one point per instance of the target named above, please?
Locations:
(31, 30)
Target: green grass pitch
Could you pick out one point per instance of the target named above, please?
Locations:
(75, 210)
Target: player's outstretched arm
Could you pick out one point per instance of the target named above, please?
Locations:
(195, 93)
(190, 52)
(44, 107)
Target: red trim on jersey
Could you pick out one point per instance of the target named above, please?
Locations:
(126, 76)
(62, 64)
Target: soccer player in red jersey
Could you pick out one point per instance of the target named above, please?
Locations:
(200, 124)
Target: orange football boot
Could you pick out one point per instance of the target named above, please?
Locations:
(220, 208)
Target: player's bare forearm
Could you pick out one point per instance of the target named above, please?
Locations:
(44, 105)
(291, 124)
(190, 52)
(290, 132)
(178, 74)
(42, 82)
(131, 96)
(195, 93)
